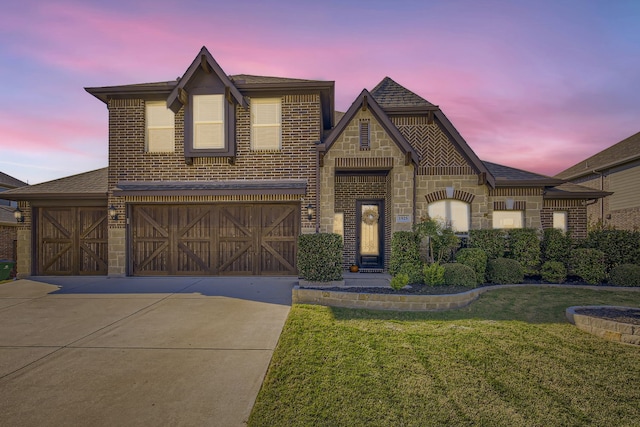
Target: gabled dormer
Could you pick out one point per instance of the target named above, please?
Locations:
(209, 99)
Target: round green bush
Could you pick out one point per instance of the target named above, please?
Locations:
(504, 271)
(475, 258)
(588, 264)
(456, 274)
(625, 275)
(413, 270)
(433, 274)
(553, 272)
(399, 281)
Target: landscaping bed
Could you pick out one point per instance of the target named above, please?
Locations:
(622, 315)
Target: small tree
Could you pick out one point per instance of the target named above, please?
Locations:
(441, 240)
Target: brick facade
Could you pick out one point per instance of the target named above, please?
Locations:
(576, 216)
(128, 160)
(8, 238)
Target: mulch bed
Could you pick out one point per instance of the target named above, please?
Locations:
(622, 315)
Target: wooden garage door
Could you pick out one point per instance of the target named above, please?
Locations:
(71, 241)
(214, 239)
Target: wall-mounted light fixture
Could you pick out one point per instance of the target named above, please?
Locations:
(449, 191)
(113, 213)
(18, 215)
(509, 204)
(310, 211)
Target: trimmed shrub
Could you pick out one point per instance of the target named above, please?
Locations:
(492, 242)
(625, 275)
(619, 246)
(588, 264)
(320, 257)
(555, 245)
(553, 272)
(405, 249)
(399, 281)
(476, 259)
(504, 271)
(456, 274)
(524, 247)
(413, 270)
(433, 274)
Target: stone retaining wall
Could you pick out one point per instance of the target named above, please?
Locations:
(603, 328)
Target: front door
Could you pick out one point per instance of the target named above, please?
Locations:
(370, 233)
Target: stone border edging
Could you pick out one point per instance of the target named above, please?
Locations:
(405, 302)
(604, 328)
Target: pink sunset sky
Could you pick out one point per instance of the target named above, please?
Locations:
(537, 85)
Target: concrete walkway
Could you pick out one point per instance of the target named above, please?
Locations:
(137, 351)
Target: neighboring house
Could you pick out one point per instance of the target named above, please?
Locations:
(615, 169)
(8, 225)
(213, 174)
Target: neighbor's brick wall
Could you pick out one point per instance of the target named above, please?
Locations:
(576, 216)
(128, 160)
(8, 235)
(24, 241)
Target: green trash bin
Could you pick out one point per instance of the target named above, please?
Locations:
(5, 269)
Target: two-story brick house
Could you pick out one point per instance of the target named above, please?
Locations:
(217, 174)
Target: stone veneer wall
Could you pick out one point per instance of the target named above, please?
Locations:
(128, 161)
(382, 146)
(530, 198)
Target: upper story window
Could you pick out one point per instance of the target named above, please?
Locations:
(266, 123)
(452, 213)
(208, 122)
(508, 219)
(560, 220)
(160, 132)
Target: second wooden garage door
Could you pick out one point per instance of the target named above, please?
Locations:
(214, 239)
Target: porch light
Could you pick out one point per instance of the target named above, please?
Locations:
(113, 213)
(449, 191)
(509, 204)
(310, 211)
(17, 214)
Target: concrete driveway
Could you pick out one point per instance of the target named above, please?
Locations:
(137, 351)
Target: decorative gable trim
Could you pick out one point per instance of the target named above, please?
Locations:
(366, 101)
(203, 61)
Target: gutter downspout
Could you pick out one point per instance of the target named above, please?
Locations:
(595, 171)
(317, 191)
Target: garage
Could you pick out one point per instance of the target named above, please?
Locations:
(71, 240)
(208, 239)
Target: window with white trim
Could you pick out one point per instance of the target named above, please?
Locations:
(266, 123)
(508, 219)
(451, 213)
(208, 122)
(160, 129)
(560, 220)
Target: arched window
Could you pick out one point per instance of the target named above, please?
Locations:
(453, 213)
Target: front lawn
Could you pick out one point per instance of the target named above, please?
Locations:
(508, 359)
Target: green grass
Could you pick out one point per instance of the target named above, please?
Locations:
(508, 359)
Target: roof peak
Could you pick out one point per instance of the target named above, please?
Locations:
(390, 94)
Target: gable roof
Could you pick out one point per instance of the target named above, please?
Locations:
(624, 151)
(87, 185)
(366, 99)
(511, 177)
(7, 181)
(203, 61)
(391, 95)
(396, 99)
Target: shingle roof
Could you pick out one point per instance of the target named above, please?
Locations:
(624, 151)
(8, 181)
(93, 184)
(506, 175)
(251, 79)
(389, 94)
(569, 190)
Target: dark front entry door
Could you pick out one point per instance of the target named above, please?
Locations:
(370, 233)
